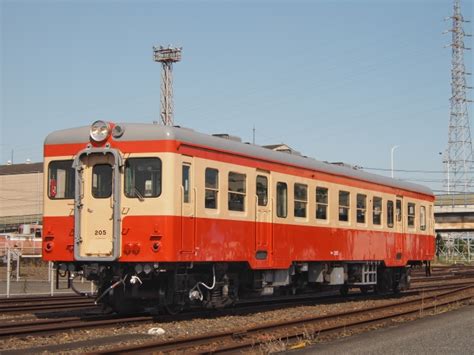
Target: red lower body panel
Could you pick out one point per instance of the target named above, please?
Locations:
(174, 239)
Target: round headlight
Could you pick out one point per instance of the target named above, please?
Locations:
(100, 130)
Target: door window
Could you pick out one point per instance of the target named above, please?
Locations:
(186, 181)
(262, 190)
(398, 210)
(282, 200)
(390, 214)
(102, 181)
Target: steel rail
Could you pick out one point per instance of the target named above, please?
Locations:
(235, 337)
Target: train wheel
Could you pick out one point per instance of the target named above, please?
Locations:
(120, 304)
(344, 290)
(364, 289)
(166, 304)
(173, 310)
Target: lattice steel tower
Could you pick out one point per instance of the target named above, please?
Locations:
(167, 56)
(459, 157)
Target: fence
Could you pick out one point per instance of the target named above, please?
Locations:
(23, 272)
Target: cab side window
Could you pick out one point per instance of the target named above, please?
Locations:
(61, 180)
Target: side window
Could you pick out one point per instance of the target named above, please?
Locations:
(411, 214)
(262, 190)
(102, 181)
(398, 211)
(186, 181)
(377, 211)
(301, 200)
(322, 203)
(61, 180)
(236, 192)
(344, 206)
(361, 207)
(390, 214)
(211, 187)
(282, 200)
(142, 177)
(423, 218)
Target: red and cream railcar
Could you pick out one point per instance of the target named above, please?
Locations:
(177, 217)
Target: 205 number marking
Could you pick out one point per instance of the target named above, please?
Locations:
(100, 232)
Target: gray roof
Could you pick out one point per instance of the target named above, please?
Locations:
(16, 169)
(145, 131)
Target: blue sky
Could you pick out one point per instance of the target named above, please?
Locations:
(336, 80)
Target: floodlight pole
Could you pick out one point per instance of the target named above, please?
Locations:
(167, 56)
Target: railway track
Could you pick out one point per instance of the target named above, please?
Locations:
(47, 303)
(50, 326)
(251, 337)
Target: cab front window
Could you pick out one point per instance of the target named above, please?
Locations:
(142, 177)
(61, 180)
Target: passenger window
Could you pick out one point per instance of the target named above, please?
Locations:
(61, 180)
(143, 177)
(212, 188)
(322, 203)
(377, 211)
(186, 182)
(390, 214)
(361, 207)
(282, 200)
(236, 192)
(398, 211)
(422, 218)
(102, 181)
(301, 200)
(262, 190)
(411, 215)
(344, 206)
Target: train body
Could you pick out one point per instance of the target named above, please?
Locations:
(168, 217)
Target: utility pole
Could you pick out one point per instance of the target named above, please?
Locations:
(459, 156)
(167, 56)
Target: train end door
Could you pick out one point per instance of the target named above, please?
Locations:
(97, 206)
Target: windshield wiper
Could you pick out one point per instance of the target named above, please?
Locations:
(138, 194)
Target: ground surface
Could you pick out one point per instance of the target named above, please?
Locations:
(446, 333)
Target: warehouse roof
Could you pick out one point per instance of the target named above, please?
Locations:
(17, 169)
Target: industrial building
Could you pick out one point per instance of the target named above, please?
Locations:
(21, 195)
